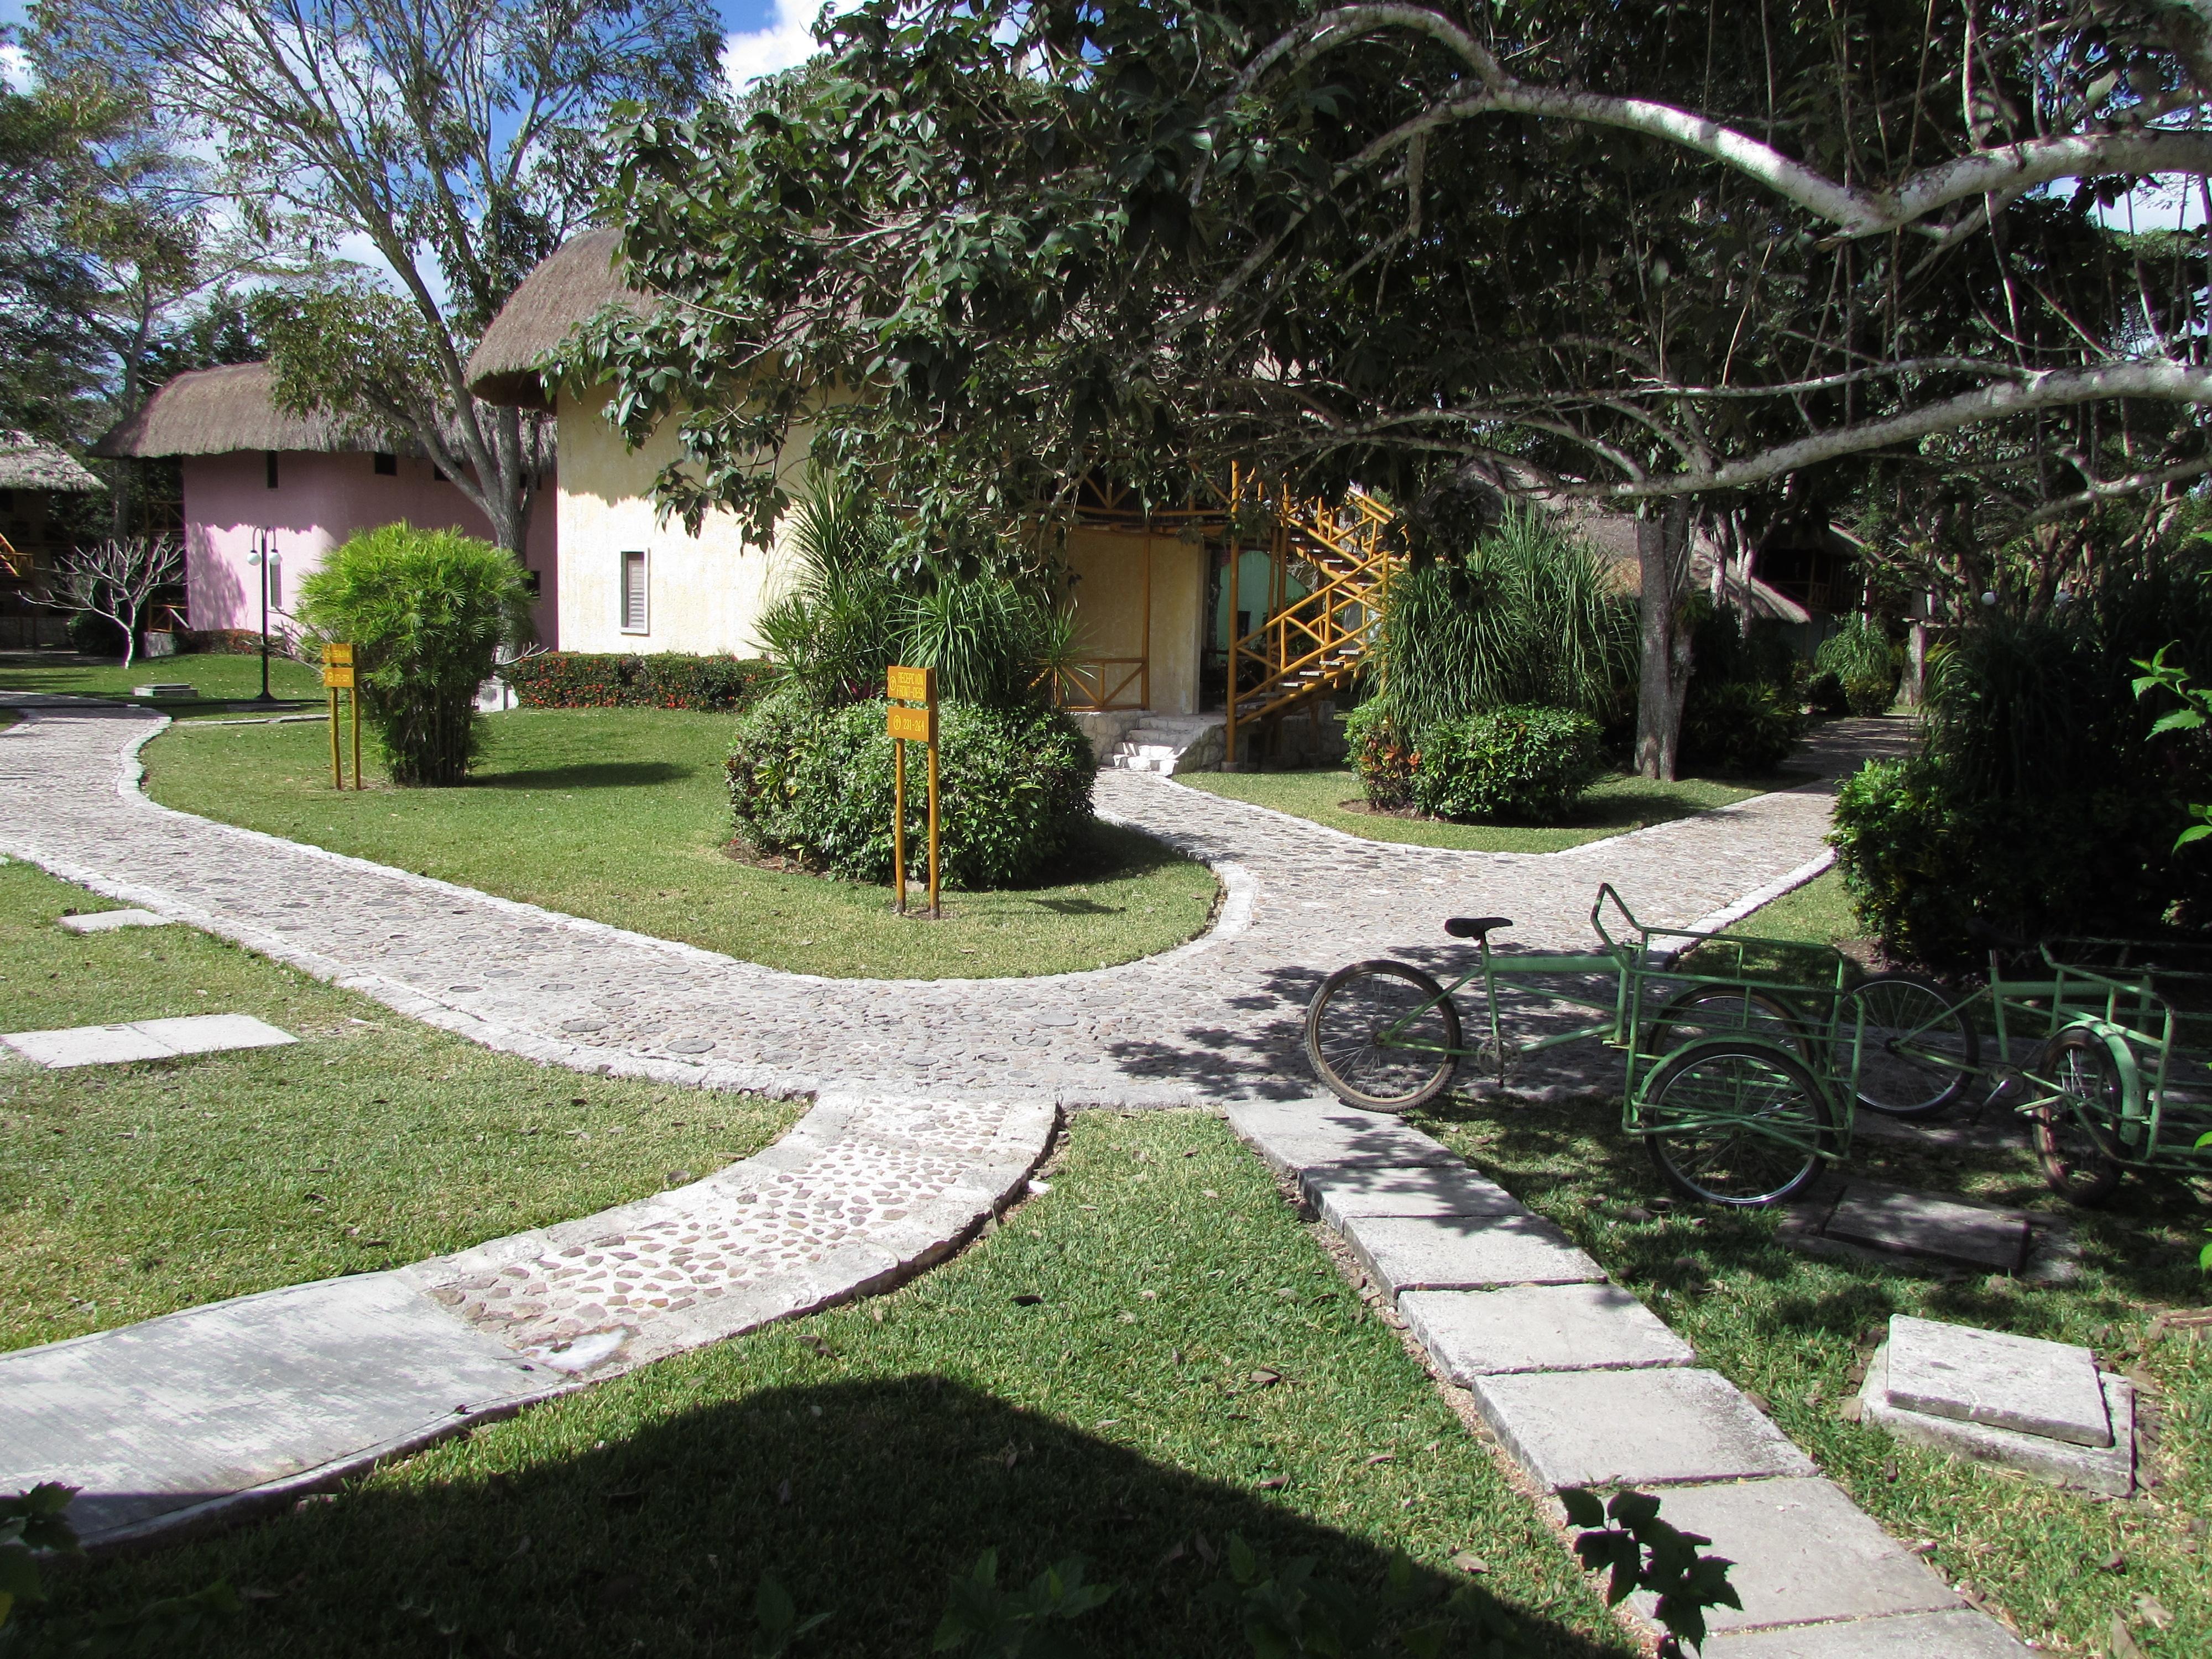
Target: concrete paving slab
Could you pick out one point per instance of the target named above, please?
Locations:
(1803, 1552)
(1921, 1224)
(1539, 1327)
(1341, 1192)
(102, 921)
(197, 1410)
(2022, 1382)
(1398, 1149)
(1660, 1427)
(1465, 1252)
(2107, 1469)
(87, 1045)
(1962, 1635)
(145, 1039)
(207, 1034)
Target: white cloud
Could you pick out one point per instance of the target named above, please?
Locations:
(14, 69)
(787, 40)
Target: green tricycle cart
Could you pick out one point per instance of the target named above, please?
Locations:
(1742, 1055)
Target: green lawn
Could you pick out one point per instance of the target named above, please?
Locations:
(1081, 1381)
(1791, 1328)
(621, 815)
(128, 1191)
(1818, 913)
(220, 677)
(1618, 803)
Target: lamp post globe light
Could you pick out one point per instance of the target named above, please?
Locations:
(264, 558)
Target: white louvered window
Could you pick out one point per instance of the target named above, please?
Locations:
(633, 594)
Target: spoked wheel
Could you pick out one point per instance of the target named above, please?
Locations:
(1737, 1123)
(1917, 1053)
(1382, 1035)
(1715, 1010)
(2077, 1136)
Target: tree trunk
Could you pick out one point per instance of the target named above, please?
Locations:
(1662, 557)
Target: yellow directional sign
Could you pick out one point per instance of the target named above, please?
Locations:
(338, 676)
(337, 650)
(911, 685)
(916, 725)
(910, 725)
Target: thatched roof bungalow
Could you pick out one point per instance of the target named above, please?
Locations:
(255, 475)
(628, 582)
(31, 474)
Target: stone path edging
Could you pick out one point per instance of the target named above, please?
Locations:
(1582, 1388)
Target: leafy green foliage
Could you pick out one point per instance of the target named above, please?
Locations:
(38, 1520)
(1530, 615)
(1640, 1552)
(1516, 764)
(992, 1623)
(858, 604)
(1738, 727)
(776, 1623)
(1859, 655)
(668, 679)
(427, 612)
(814, 782)
(1383, 755)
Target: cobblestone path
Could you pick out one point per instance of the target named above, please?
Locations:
(933, 1100)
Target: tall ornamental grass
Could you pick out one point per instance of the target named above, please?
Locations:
(426, 611)
(1531, 615)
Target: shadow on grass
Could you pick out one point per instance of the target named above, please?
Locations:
(863, 1498)
(600, 775)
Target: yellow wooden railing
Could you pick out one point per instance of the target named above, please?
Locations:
(1314, 645)
(1101, 683)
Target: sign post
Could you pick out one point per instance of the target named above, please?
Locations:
(338, 676)
(909, 725)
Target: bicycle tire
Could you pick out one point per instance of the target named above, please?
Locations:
(1743, 1167)
(2072, 1141)
(1903, 1008)
(1344, 1022)
(1676, 1022)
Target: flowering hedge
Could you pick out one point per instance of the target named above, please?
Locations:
(668, 679)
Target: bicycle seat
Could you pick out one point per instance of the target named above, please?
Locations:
(1474, 926)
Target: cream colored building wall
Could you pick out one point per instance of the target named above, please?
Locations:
(1108, 568)
(704, 592)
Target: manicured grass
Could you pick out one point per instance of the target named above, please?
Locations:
(1818, 913)
(1791, 1328)
(621, 814)
(128, 1191)
(1618, 804)
(1080, 1382)
(220, 678)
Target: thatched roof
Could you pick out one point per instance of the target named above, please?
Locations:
(569, 285)
(27, 464)
(218, 412)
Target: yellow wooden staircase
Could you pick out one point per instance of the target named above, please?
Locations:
(1313, 645)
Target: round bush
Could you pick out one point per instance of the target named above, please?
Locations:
(814, 782)
(1381, 754)
(1737, 727)
(1869, 694)
(1526, 765)
(426, 611)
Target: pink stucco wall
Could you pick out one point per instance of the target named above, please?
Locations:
(319, 502)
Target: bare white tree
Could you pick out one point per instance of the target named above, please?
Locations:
(116, 578)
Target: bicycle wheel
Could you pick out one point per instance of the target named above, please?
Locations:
(1716, 1011)
(1737, 1123)
(1917, 1052)
(2076, 1136)
(1382, 1035)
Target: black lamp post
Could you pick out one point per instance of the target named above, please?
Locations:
(262, 556)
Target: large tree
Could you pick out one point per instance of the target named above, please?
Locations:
(1681, 256)
(449, 145)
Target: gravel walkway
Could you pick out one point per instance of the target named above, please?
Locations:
(933, 1100)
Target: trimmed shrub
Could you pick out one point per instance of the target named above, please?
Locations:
(670, 679)
(1383, 755)
(1738, 727)
(1826, 693)
(1869, 694)
(1526, 765)
(91, 635)
(814, 782)
(426, 611)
